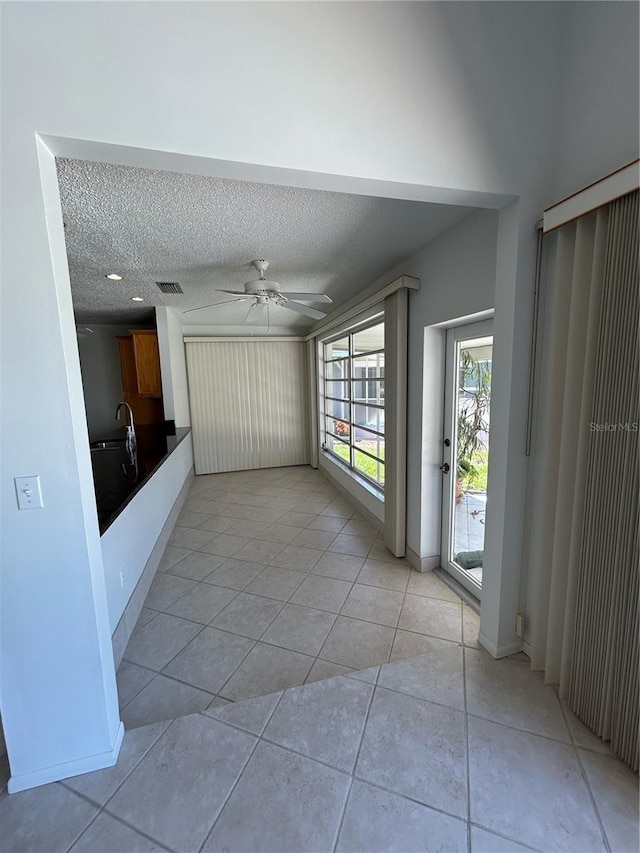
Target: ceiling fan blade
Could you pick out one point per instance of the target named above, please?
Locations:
(304, 309)
(307, 297)
(215, 304)
(235, 292)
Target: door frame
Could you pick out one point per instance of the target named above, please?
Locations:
(455, 335)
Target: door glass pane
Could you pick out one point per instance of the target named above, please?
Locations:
(473, 401)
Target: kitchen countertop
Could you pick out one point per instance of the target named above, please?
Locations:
(117, 477)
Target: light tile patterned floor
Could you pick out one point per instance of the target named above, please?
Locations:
(448, 751)
(272, 579)
(444, 749)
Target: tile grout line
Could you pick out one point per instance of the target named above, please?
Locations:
(141, 832)
(231, 790)
(395, 635)
(316, 658)
(410, 799)
(521, 843)
(94, 818)
(585, 778)
(220, 692)
(377, 684)
(222, 495)
(103, 807)
(353, 769)
(343, 813)
(138, 692)
(522, 731)
(466, 733)
(178, 681)
(186, 683)
(195, 621)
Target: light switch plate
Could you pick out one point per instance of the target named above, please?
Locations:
(29, 492)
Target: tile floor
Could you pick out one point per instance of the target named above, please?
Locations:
(270, 580)
(449, 751)
(442, 748)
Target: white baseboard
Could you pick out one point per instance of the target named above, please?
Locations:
(422, 564)
(499, 651)
(70, 768)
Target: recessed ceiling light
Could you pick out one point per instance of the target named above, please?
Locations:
(137, 299)
(113, 276)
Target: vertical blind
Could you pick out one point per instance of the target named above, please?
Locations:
(604, 672)
(249, 405)
(583, 543)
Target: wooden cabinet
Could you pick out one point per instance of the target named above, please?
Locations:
(147, 361)
(147, 409)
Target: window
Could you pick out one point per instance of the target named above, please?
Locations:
(354, 401)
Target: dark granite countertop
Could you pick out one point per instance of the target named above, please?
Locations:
(117, 477)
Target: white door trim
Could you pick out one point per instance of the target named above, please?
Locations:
(449, 432)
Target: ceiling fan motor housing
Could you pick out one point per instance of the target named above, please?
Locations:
(262, 287)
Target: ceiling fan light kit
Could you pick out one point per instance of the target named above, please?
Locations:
(267, 292)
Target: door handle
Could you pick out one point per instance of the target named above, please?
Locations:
(445, 467)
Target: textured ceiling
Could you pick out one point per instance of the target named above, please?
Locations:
(204, 232)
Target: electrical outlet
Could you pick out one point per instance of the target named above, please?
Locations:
(122, 578)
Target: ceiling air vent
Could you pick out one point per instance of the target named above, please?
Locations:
(169, 287)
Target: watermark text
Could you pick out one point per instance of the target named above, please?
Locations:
(616, 427)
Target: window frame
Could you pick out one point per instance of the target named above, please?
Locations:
(351, 402)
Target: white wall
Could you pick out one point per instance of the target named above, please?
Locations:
(458, 276)
(173, 366)
(450, 102)
(54, 621)
(129, 541)
(597, 128)
(457, 273)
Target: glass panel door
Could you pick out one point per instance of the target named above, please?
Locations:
(465, 463)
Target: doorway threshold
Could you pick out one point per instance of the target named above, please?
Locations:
(454, 586)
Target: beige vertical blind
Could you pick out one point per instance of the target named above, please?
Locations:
(249, 404)
(603, 688)
(583, 552)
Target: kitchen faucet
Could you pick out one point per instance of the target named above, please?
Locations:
(130, 443)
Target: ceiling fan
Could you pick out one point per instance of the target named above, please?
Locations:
(265, 292)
